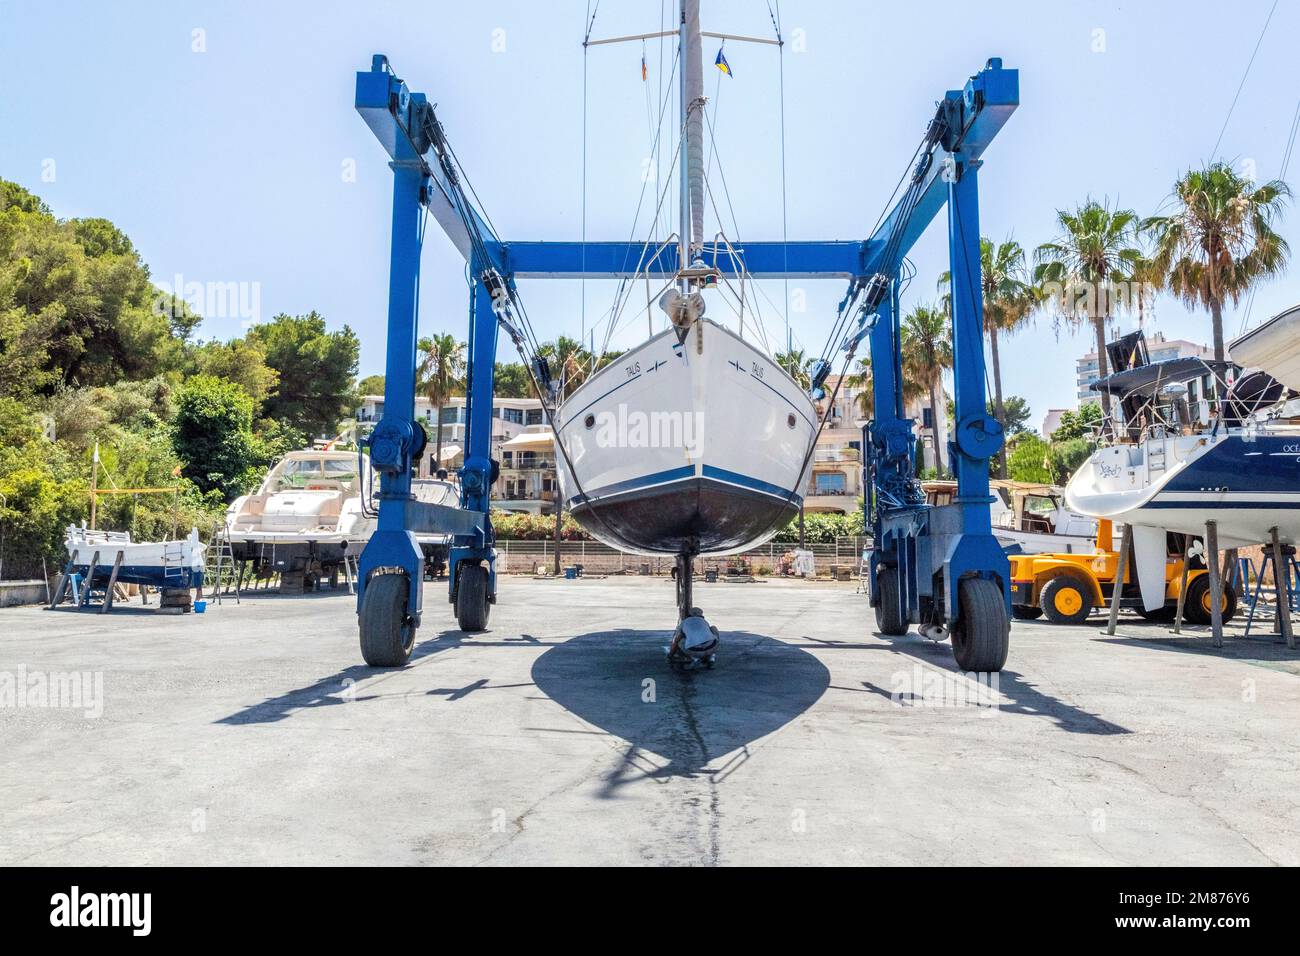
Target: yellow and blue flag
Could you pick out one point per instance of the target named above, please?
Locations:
(722, 64)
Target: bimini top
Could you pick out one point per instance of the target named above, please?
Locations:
(1147, 379)
(1273, 347)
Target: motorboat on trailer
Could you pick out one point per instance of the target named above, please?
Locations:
(307, 515)
(1196, 441)
(695, 442)
(93, 554)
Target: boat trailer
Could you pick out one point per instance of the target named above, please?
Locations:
(939, 567)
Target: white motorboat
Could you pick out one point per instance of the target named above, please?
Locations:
(435, 546)
(159, 564)
(308, 513)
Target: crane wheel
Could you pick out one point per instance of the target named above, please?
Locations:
(889, 618)
(981, 634)
(387, 631)
(1064, 601)
(472, 605)
(1198, 606)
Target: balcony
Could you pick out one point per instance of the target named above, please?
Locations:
(526, 463)
(836, 454)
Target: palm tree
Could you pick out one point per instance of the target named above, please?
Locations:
(1219, 240)
(441, 375)
(865, 399)
(570, 363)
(795, 362)
(1080, 270)
(1009, 301)
(927, 351)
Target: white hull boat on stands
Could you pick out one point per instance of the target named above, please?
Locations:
(157, 564)
(306, 516)
(1179, 464)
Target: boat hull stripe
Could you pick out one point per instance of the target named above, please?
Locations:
(684, 474)
(735, 478)
(635, 484)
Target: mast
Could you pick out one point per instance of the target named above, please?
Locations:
(691, 159)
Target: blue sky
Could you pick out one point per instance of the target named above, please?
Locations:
(228, 164)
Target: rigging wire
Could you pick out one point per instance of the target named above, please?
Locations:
(1286, 164)
(1269, 19)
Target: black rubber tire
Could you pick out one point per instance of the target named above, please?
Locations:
(387, 631)
(889, 619)
(1047, 601)
(1026, 612)
(1197, 607)
(981, 635)
(472, 605)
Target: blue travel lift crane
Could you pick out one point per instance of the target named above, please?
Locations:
(939, 567)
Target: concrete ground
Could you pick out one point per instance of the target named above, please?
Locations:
(253, 734)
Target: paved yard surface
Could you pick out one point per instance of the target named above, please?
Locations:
(253, 734)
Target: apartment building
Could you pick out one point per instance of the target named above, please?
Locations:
(1159, 349)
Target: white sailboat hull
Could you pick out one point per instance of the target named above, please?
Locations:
(1247, 481)
(699, 446)
(160, 564)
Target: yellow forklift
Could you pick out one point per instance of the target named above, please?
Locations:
(1066, 588)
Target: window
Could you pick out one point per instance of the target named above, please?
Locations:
(927, 417)
(506, 457)
(534, 417)
(830, 483)
(515, 415)
(450, 415)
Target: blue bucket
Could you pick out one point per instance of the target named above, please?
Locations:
(200, 607)
(570, 574)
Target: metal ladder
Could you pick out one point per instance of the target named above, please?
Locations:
(226, 569)
(864, 573)
(1156, 458)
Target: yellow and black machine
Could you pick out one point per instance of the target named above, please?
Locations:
(1066, 588)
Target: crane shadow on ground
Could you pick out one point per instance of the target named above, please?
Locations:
(335, 689)
(1019, 695)
(676, 724)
